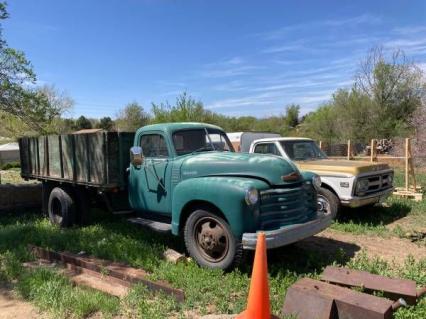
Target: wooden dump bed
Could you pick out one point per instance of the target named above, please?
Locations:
(96, 159)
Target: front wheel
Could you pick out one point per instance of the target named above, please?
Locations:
(328, 202)
(209, 240)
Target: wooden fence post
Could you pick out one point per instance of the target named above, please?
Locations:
(373, 154)
(409, 166)
(349, 150)
(407, 142)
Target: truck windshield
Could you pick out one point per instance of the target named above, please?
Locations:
(302, 150)
(201, 140)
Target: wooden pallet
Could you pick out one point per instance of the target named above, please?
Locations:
(411, 193)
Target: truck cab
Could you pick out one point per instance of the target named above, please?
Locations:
(219, 199)
(343, 182)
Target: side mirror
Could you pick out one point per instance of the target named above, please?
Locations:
(136, 156)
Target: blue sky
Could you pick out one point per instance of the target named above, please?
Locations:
(238, 57)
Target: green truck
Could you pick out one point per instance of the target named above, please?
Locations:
(179, 177)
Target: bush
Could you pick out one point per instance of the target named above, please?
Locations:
(10, 165)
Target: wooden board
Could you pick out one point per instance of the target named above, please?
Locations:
(391, 287)
(409, 194)
(95, 159)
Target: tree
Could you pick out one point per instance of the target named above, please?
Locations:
(321, 124)
(83, 123)
(418, 121)
(186, 109)
(19, 97)
(106, 123)
(291, 117)
(394, 85)
(131, 118)
(65, 126)
(355, 117)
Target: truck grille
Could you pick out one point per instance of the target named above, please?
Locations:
(287, 206)
(376, 183)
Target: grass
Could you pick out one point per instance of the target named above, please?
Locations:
(12, 176)
(207, 291)
(386, 220)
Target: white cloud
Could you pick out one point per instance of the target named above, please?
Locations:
(314, 25)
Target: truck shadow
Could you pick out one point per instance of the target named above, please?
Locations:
(310, 255)
(375, 216)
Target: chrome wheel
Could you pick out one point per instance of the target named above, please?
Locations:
(323, 205)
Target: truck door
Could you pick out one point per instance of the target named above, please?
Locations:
(154, 175)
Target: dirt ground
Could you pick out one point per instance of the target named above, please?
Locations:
(391, 249)
(13, 308)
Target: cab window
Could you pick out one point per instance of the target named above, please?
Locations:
(154, 145)
(266, 148)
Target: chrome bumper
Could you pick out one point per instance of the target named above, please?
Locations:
(288, 234)
(367, 200)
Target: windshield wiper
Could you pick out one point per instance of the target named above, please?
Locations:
(201, 149)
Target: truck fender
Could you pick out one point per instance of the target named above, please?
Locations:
(333, 185)
(225, 193)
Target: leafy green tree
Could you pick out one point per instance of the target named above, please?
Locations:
(65, 126)
(83, 123)
(321, 124)
(355, 115)
(131, 118)
(186, 109)
(106, 123)
(395, 86)
(18, 96)
(291, 117)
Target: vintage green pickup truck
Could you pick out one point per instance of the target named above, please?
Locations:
(179, 177)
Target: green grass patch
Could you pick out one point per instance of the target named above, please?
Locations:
(207, 291)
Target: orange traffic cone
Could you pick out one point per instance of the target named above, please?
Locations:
(258, 306)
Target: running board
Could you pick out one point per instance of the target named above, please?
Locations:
(152, 224)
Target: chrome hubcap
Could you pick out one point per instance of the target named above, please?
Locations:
(323, 205)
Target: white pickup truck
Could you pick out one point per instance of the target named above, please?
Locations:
(344, 182)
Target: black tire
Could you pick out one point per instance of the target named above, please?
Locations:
(61, 208)
(328, 202)
(209, 240)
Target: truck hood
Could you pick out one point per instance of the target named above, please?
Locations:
(354, 168)
(267, 167)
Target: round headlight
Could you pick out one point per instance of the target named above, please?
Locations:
(316, 181)
(362, 185)
(252, 196)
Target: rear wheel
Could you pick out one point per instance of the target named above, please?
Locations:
(328, 202)
(61, 208)
(209, 240)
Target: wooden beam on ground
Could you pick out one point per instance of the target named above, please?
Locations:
(392, 288)
(118, 271)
